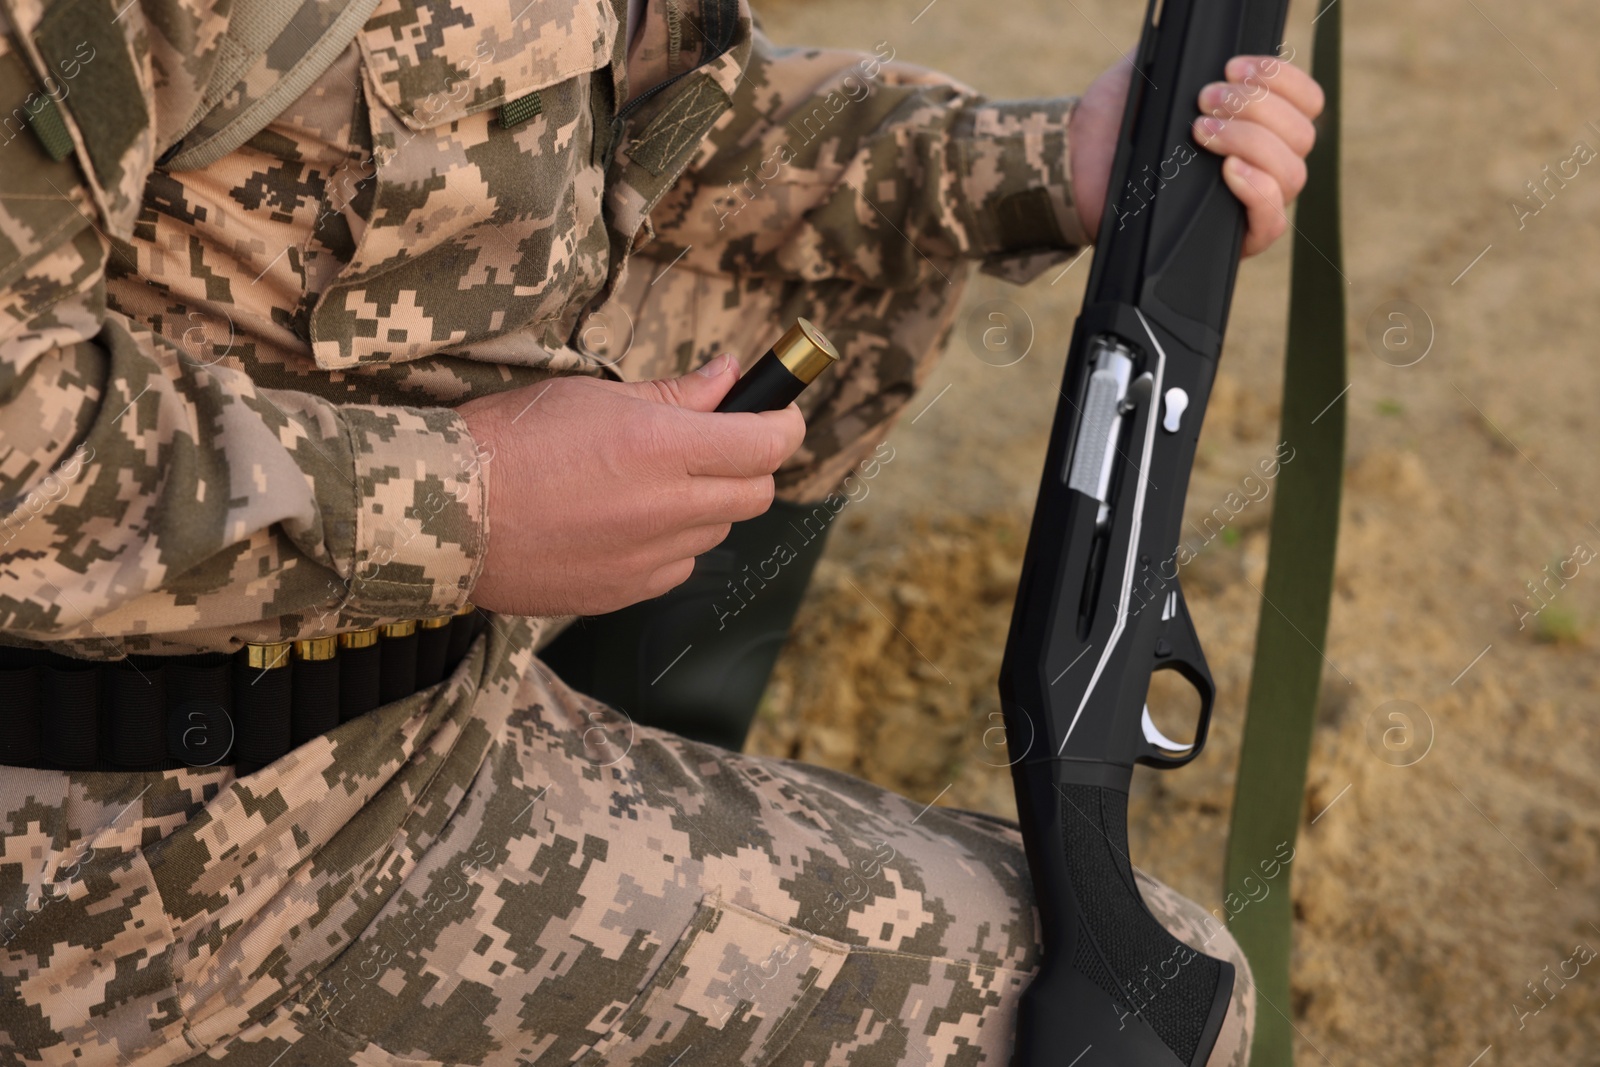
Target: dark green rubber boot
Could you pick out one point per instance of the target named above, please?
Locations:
(696, 660)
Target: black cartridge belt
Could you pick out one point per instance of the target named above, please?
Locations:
(244, 709)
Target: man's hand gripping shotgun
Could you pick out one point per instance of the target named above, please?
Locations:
(1100, 608)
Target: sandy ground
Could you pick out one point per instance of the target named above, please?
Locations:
(1447, 887)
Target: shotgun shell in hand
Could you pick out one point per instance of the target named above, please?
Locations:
(788, 367)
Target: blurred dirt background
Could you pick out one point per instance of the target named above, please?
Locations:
(1447, 883)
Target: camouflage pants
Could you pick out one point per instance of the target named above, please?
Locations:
(500, 871)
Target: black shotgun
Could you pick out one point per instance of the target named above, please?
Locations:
(1100, 609)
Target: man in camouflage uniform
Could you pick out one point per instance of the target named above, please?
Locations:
(303, 330)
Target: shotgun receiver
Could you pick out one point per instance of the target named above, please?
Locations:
(1100, 609)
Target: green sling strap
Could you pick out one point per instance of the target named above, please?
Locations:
(1298, 589)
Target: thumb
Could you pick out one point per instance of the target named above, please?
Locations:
(699, 390)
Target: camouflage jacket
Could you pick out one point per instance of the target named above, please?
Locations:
(227, 384)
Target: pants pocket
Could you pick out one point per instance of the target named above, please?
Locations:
(734, 989)
(896, 1007)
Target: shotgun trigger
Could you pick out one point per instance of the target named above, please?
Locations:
(1153, 734)
(1177, 648)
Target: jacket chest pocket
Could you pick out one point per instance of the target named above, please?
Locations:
(486, 217)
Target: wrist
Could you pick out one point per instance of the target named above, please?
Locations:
(1024, 192)
(484, 426)
(1087, 203)
(421, 511)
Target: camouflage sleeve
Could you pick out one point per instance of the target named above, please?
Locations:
(847, 164)
(147, 487)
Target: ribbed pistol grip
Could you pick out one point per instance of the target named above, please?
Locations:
(1114, 979)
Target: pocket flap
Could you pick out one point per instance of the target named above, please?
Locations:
(751, 979)
(436, 63)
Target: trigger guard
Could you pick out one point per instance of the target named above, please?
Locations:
(1159, 740)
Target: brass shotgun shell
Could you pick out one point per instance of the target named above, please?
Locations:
(804, 352)
(359, 638)
(316, 648)
(268, 656)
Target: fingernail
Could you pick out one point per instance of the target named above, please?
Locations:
(1244, 169)
(1212, 126)
(1213, 95)
(715, 366)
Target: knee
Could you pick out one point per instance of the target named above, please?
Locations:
(1233, 1042)
(1204, 931)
